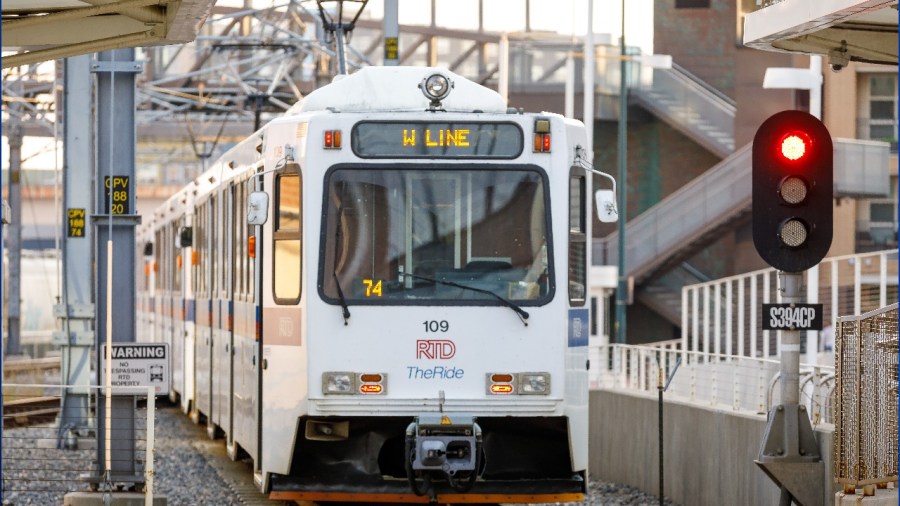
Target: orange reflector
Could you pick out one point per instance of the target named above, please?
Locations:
(337, 139)
(195, 258)
(178, 261)
(251, 246)
(370, 388)
(538, 143)
(147, 269)
(501, 378)
(501, 388)
(155, 266)
(370, 378)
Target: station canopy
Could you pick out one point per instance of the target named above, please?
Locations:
(42, 30)
(839, 30)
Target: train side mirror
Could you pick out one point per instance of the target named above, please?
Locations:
(257, 208)
(185, 237)
(607, 212)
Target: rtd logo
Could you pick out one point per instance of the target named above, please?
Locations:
(435, 349)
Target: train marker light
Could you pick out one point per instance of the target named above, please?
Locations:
(501, 388)
(332, 139)
(541, 135)
(793, 178)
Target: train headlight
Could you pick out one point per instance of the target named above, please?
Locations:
(534, 383)
(436, 87)
(526, 383)
(338, 383)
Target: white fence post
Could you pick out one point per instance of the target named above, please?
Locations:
(148, 459)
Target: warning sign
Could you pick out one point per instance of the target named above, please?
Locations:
(139, 365)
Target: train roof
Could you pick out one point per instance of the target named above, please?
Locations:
(397, 89)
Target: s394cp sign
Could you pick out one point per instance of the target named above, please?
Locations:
(792, 317)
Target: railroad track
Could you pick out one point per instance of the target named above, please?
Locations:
(29, 411)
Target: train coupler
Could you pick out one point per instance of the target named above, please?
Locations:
(441, 446)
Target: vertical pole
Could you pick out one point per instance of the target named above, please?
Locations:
(391, 34)
(339, 42)
(114, 222)
(659, 388)
(76, 310)
(621, 291)
(812, 297)
(503, 73)
(589, 70)
(570, 87)
(790, 342)
(815, 92)
(14, 244)
(151, 443)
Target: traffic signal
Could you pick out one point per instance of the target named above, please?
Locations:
(793, 174)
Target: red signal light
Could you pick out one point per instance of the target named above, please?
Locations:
(795, 145)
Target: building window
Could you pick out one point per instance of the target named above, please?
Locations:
(877, 227)
(879, 114)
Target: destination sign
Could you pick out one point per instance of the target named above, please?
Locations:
(388, 139)
(792, 317)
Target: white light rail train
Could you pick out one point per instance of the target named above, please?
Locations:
(381, 295)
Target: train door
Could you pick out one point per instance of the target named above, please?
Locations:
(214, 313)
(202, 380)
(244, 335)
(222, 317)
(284, 374)
(176, 343)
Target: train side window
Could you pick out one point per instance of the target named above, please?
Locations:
(577, 238)
(213, 238)
(286, 271)
(238, 242)
(179, 264)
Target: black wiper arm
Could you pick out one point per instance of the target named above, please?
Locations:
(343, 300)
(521, 313)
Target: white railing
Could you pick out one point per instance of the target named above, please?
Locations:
(712, 380)
(723, 316)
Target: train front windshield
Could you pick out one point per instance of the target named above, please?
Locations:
(407, 236)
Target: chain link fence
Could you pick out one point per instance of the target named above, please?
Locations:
(865, 440)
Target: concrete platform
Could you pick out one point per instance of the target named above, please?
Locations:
(882, 497)
(118, 499)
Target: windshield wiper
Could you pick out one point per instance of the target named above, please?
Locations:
(346, 310)
(521, 313)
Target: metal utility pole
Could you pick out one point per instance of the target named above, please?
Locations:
(114, 222)
(75, 310)
(391, 34)
(14, 244)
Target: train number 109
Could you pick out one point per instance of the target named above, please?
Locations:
(436, 326)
